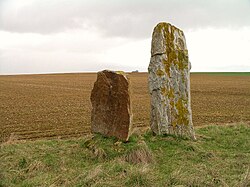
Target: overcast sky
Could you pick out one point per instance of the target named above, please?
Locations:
(42, 36)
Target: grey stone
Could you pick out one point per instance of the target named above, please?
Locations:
(169, 82)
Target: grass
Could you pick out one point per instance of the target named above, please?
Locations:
(220, 157)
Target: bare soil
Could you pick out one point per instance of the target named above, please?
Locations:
(58, 105)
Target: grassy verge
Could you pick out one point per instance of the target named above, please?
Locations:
(220, 157)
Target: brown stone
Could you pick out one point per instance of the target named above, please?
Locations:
(111, 109)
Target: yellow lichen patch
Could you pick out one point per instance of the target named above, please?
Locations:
(182, 60)
(182, 112)
(159, 72)
(174, 123)
(182, 78)
(169, 36)
(185, 52)
(182, 55)
(120, 72)
(172, 55)
(164, 91)
(172, 104)
(171, 93)
(167, 64)
(180, 45)
(177, 56)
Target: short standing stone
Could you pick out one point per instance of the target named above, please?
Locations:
(169, 82)
(111, 113)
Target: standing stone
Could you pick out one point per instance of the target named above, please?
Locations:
(169, 82)
(111, 113)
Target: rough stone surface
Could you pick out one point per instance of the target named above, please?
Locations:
(169, 82)
(110, 98)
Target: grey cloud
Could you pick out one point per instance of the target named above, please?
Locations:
(120, 18)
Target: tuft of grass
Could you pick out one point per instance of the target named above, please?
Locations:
(141, 154)
(219, 157)
(138, 178)
(22, 163)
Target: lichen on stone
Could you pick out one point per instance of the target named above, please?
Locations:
(164, 91)
(182, 111)
(120, 72)
(169, 82)
(167, 65)
(159, 72)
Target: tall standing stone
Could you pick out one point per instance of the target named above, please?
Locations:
(111, 109)
(169, 82)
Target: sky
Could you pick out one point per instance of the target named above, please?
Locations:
(60, 36)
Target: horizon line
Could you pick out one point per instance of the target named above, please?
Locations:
(93, 72)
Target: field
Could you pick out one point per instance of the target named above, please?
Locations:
(55, 110)
(58, 105)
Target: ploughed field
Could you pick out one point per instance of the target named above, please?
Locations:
(58, 105)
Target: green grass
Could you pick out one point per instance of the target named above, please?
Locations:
(220, 157)
(224, 73)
